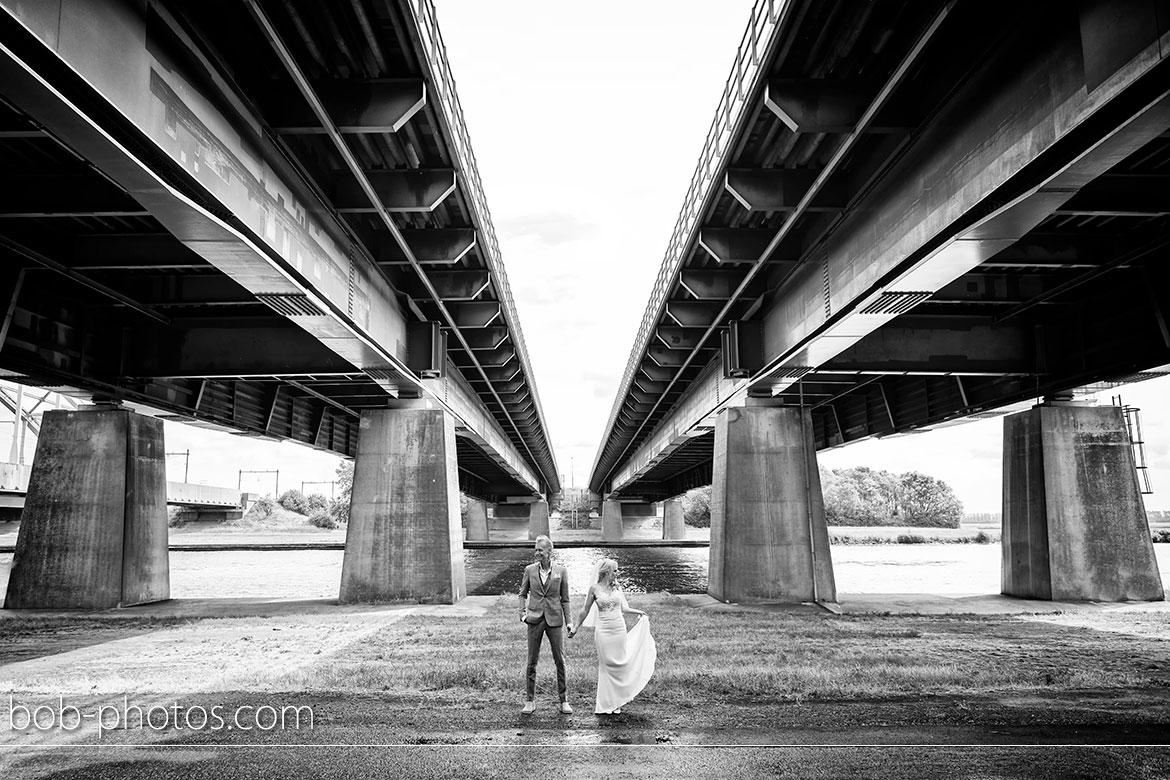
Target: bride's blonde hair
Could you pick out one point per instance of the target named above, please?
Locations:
(607, 565)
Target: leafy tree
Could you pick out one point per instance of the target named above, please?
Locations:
(575, 510)
(697, 507)
(867, 497)
(924, 500)
(339, 508)
(859, 496)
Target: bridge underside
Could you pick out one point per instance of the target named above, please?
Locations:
(137, 295)
(908, 215)
(951, 258)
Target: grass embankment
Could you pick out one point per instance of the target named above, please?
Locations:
(709, 656)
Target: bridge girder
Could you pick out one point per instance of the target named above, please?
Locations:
(970, 205)
(211, 166)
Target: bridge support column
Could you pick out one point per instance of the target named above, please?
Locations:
(538, 519)
(94, 529)
(769, 541)
(1074, 525)
(611, 521)
(405, 540)
(477, 522)
(673, 524)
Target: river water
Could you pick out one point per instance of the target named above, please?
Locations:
(944, 569)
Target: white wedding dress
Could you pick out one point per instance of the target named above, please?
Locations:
(625, 661)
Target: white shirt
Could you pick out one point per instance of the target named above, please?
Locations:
(544, 575)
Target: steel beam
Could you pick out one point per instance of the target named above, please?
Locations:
(397, 191)
(692, 314)
(263, 346)
(679, 338)
(779, 189)
(486, 339)
(735, 246)
(711, 285)
(454, 285)
(63, 195)
(475, 315)
(354, 105)
(935, 348)
(436, 246)
(814, 106)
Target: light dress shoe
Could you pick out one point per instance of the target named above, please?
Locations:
(566, 709)
(529, 708)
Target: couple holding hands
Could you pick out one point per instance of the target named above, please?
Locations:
(625, 661)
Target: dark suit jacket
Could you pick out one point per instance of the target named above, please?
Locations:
(550, 599)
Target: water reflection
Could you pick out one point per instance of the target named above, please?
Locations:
(944, 569)
(643, 569)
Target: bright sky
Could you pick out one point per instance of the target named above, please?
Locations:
(587, 120)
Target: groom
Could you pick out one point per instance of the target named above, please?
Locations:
(544, 606)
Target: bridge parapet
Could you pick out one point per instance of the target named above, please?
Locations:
(187, 494)
(752, 54)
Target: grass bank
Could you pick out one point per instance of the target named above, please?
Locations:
(708, 656)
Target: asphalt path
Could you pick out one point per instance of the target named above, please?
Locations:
(425, 762)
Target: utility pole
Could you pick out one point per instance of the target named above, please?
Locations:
(18, 427)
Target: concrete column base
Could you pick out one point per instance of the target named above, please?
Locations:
(405, 539)
(1074, 524)
(477, 522)
(538, 519)
(611, 521)
(769, 541)
(673, 523)
(94, 528)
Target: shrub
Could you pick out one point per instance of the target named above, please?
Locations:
(697, 507)
(1162, 537)
(982, 538)
(262, 507)
(322, 519)
(317, 501)
(294, 501)
(911, 539)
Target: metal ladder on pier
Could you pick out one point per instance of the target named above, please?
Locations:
(1133, 421)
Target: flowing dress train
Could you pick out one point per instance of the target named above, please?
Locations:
(625, 661)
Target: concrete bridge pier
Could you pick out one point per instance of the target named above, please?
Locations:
(1074, 525)
(536, 512)
(477, 521)
(769, 541)
(94, 528)
(673, 524)
(538, 519)
(405, 539)
(611, 521)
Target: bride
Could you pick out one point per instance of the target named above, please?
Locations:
(625, 661)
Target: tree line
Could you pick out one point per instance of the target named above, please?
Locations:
(853, 496)
(865, 496)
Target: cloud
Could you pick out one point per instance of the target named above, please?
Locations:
(551, 228)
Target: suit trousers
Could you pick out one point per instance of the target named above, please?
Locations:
(556, 641)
